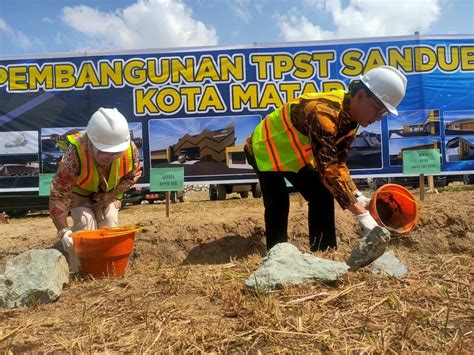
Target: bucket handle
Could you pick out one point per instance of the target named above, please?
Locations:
(128, 229)
(408, 198)
(126, 226)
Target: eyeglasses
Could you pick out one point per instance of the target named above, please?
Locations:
(381, 110)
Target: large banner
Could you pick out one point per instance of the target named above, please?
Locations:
(195, 107)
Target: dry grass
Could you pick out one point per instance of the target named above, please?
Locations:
(202, 308)
(165, 305)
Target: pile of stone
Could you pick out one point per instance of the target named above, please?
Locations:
(285, 264)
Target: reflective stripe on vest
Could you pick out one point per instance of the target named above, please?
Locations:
(88, 180)
(278, 145)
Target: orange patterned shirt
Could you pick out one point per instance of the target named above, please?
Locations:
(331, 133)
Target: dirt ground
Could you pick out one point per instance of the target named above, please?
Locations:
(183, 290)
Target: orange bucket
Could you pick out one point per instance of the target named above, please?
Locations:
(104, 252)
(395, 208)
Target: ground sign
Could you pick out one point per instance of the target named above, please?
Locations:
(424, 161)
(167, 179)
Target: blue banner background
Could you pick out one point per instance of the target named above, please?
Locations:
(439, 93)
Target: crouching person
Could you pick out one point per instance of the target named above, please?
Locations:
(100, 164)
(307, 141)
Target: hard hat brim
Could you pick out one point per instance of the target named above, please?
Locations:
(111, 148)
(392, 109)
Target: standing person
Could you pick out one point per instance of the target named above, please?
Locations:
(307, 141)
(100, 164)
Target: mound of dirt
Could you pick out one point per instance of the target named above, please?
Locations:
(445, 225)
(215, 232)
(224, 230)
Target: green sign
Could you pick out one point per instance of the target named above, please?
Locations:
(424, 161)
(45, 184)
(166, 179)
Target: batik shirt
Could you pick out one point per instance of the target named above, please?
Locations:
(331, 133)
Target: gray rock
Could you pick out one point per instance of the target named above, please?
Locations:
(35, 276)
(285, 264)
(389, 264)
(369, 248)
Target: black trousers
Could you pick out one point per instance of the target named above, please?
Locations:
(276, 200)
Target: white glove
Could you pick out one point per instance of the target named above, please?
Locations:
(366, 222)
(68, 246)
(66, 241)
(364, 201)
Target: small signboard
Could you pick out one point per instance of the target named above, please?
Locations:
(424, 161)
(45, 184)
(166, 179)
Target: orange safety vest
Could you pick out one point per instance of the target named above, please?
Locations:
(279, 146)
(88, 180)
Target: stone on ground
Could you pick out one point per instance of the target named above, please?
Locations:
(285, 264)
(389, 264)
(369, 248)
(35, 276)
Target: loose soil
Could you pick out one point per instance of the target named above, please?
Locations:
(183, 290)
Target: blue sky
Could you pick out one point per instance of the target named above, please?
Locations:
(44, 26)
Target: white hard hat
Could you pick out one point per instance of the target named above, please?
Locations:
(387, 84)
(108, 130)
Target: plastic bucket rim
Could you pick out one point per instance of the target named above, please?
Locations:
(102, 233)
(385, 189)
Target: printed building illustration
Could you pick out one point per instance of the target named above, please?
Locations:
(434, 145)
(236, 159)
(462, 126)
(459, 149)
(430, 126)
(137, 140)
(211, 152)
(365, 151)
(160, 156)
(366, 141)
(18, 170)
(207, 146)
